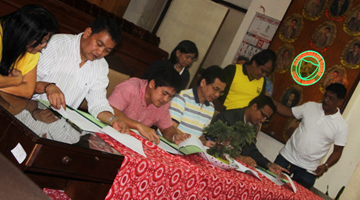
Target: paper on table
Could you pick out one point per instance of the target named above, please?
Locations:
(62, 112)
(191, 145)
(125, 139)
(276, 178)
(244, 169)
(166, 147)
(290, 181)
(81, 121)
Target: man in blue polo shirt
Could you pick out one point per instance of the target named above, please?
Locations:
(192, 109)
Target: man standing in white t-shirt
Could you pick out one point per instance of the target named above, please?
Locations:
(322, 125)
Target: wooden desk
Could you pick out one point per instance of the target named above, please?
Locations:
(83, 173)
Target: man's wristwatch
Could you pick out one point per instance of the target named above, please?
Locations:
(267, 166)
(326, 166)
(112, 118)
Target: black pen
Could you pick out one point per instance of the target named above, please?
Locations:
(72, 124)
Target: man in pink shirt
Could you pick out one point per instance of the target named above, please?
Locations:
(144, 103)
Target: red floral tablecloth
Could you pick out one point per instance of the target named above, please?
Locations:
(165, 176)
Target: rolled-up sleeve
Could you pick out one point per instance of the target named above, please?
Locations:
(96, 96)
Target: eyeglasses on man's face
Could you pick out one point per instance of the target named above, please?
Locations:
(217, 90)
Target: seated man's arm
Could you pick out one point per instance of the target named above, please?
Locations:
(55, 96)
(177, 110)
(174, 135)
(252, 151)
(247, 160)
(147, 132)
(118, 124)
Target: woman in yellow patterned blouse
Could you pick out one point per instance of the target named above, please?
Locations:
(23, 34)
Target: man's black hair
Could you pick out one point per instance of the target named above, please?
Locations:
(211, 73)
(166, 76)
(338, 89)
(263, 100)
(263, 57)
(107, 24)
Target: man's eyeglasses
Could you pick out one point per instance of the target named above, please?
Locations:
(263, 71)
(266, 118)
(218, 90)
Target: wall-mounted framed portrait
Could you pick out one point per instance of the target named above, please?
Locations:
(352, 22)
(284, 57)
(339, 8)
(324, 36)
(291, 28)
(335, 74)
(313, 9)
(292, 96)
(350, 56)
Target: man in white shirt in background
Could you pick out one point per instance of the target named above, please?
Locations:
(321, 126)
(72, 67)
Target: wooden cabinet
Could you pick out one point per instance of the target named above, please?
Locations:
(82, 172)
(118, 7)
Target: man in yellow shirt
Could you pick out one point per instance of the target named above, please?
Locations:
(247, 80)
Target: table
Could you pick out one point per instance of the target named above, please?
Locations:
(67, 162)
(165, 176)
(55, 155)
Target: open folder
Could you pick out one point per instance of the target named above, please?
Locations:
(277, 179)
(189, 146)
(84, 122)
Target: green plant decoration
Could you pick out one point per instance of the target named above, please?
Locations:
(229, 139)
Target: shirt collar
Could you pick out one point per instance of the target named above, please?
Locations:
(332, 115)
(196, 96)
(142, 92)
(181, 70)
(77, 48)
(244, 70)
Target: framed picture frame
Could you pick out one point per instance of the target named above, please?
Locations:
(291, 28)
(335, 74)
(314, 9)
(350, 56)
(284, 57)
(292, 96)
(352, 22)
(324, 36)
(338, 8)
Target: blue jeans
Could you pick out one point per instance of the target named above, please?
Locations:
(300, 175)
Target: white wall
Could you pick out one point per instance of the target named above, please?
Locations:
(274, 8)
(224, 38)
(185, 21)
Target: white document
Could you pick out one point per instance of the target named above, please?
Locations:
(19, 153)
(277, 179)
(125, 139)
(188, 146)
(168, 148)
(242, 168)
(81, 121)
(192, 141)
(62, 112)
